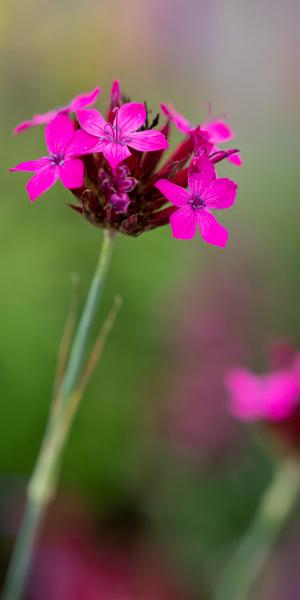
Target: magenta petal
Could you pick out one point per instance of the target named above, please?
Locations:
(268, 397)
(32, 165)
(281, 394)
(58, 133)
(42, 181)
(72, 173)
(235, 159)
(179, 120)
(36, 120)
(46, 117)
(91, 121)
(221, 193)
(200, 178)
(218, 131)
(23, 126)
(81, 143)
(146, 141)
(100, 146)
(245, 395)
(183, 223)
(174, 193)
(85, 99)
(130, 117)
(211, 231)
(197, 184)
(115, 153)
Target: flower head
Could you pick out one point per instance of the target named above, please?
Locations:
(117, 182)
(205, 192)
(270, 397)
(115, 138)
(64, 145)
(209, 135)
(77, 103)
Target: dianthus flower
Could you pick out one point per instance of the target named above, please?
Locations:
(77, 103)
(116, 183)
(209, 135)
(114, 139)
(269, 397)
(64, 145)
(205, 192)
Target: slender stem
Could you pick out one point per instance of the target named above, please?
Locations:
(43, 482)
(256, 546)
(79, 345)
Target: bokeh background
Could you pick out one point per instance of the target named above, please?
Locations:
(159, 481)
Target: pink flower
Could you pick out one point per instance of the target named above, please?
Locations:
(77, 103)
(272, 396)
(64, 144)
(210, 134)
(114, 139)
(205, 192)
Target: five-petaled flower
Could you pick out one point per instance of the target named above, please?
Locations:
(209, 135)
(77, 103)
(64, 145)
(205, 192)
(114, 138)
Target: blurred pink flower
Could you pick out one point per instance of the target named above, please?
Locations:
(64, 144)
(77, 103)
(210, 134)
(114, 139)
(78, 560)
(273, 396)
(205, 192)
(68, 570)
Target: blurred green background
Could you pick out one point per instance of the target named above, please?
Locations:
(145, 436)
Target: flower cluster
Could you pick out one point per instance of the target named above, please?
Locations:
(117, 169)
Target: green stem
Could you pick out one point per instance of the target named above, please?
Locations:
(256, 546)
(79, 346)
(43, 481)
